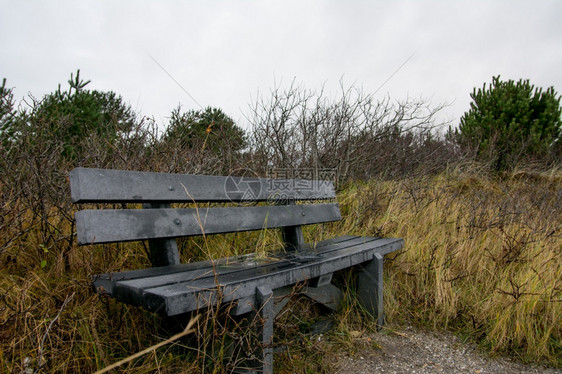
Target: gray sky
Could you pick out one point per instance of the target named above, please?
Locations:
(225, 52)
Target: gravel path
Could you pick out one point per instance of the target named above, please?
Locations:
(416, 351)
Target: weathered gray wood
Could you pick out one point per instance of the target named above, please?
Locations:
(292, 237)
(158, 277)
(186, 296)
(370, 288)
(328, 295)
(107, 281)
(197, 284)
(106, 226)
(251, 282)
(103, 283)
(163, 252)
(282, 297)
(106, 186)
(264, 298)
(248, 305)
(321, 280)
(132, 290)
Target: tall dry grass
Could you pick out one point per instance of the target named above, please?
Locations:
(483, 255)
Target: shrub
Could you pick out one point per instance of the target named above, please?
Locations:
(509, 122)
(67, 117)
(6, 105)
(354, 133)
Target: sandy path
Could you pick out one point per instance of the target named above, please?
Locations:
(417, 351)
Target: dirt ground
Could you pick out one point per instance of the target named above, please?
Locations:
(416, 351)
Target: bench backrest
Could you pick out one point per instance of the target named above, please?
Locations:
(160, 224)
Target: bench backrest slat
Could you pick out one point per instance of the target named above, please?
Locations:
(107, 225)
(120, 186)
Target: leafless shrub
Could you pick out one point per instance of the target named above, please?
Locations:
(356, 134)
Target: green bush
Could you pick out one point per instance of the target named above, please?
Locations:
(208, 138)
(7, 111)
(509, 122)
(69, 117)
(210, 127)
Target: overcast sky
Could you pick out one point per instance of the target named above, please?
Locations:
(225, 52)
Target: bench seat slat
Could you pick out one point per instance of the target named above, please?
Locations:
(107, 225)
(104, 283)
(117, 186)
(132, 289)
(186, 296)
(171, 269)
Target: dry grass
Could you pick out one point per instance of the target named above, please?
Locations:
(482, 257)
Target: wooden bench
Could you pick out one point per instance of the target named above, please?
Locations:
(249, 283)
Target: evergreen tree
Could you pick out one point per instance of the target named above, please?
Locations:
(74, 115)
(508, 122)
(210, 129)
(7, 113)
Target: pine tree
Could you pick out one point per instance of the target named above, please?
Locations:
(509, 122)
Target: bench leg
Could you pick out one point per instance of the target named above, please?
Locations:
(261, 318)
(369, 288)
(264, 298)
